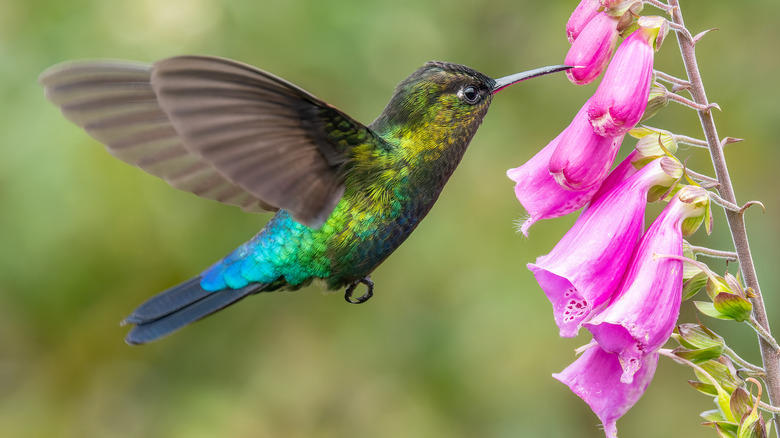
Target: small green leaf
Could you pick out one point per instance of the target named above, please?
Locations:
(724, 374)
(752, 426)
(724, 429)
(732, 306)
(713, 415)
(695, 336)
(693, 285)
(704, 388)
(740, 402)
(691, 224)
(709, 310)
(700, 355)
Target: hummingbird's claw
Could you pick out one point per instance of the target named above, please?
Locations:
(363, 298)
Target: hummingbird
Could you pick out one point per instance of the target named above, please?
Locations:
(346, 195)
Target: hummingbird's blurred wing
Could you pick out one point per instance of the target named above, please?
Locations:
(114, 102)
(217, 128)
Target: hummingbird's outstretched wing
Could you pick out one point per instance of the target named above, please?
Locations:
(214, 127)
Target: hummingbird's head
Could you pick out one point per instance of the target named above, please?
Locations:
(444, 99)
(439, 95)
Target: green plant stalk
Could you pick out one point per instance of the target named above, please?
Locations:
(736, 222)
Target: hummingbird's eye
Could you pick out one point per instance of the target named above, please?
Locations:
(469, 94)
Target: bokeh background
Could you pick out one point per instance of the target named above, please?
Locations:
(458, 341)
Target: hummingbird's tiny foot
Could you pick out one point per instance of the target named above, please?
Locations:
(363, 298)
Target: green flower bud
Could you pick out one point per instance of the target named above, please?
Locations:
(693, 284)
(740, 403)
(695, 336)
(690, 270)
(752, 426)
(655, 101)
(733, 306)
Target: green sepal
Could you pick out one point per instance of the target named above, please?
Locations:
(656, 100)
(716, 419)
(716, 285)
(700, 355)
(656, 193)
(654, 142)
(704, 388)
(691, 224)
(752, 426)
(736, 287)
(725, 374)
(740, 403)
(709, 310)
(695, 336)
(694, 285)
(726, 429)
(732, 306)
(713, 416)
(708, 218)
(689, 269)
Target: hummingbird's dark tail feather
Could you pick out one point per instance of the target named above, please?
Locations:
(179, 306)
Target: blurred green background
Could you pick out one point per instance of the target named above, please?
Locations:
(458, 341)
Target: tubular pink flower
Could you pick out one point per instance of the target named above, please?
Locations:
(619, 174)
(621, 99)
(591, 51)
(582, 271)
(583, 13)
(582, 158)
(595, 378)
(539, 193)
(641, 315)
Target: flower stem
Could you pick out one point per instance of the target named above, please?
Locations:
(691, 141)
(658, 4)
(671, 79)
(742, 362)
(736, 223)
(728, 255)
(670, 354)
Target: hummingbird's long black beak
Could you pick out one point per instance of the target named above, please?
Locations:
(506, 81)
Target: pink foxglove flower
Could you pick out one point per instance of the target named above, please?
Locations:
(583, 158)
(583, 13)
(642, 314)
(621, 99)
(595, 378)
(539, 193)
(620, 173)
(591, 51)
(583, 270)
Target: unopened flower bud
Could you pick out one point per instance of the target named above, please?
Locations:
(621, 98)
(583, 13)
(591, 51)
(653, 143)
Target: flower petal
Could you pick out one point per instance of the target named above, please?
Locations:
(583, 270)
(642, 314)
(539, 193)
(595, 378)
(621, 98)
(583, 158)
